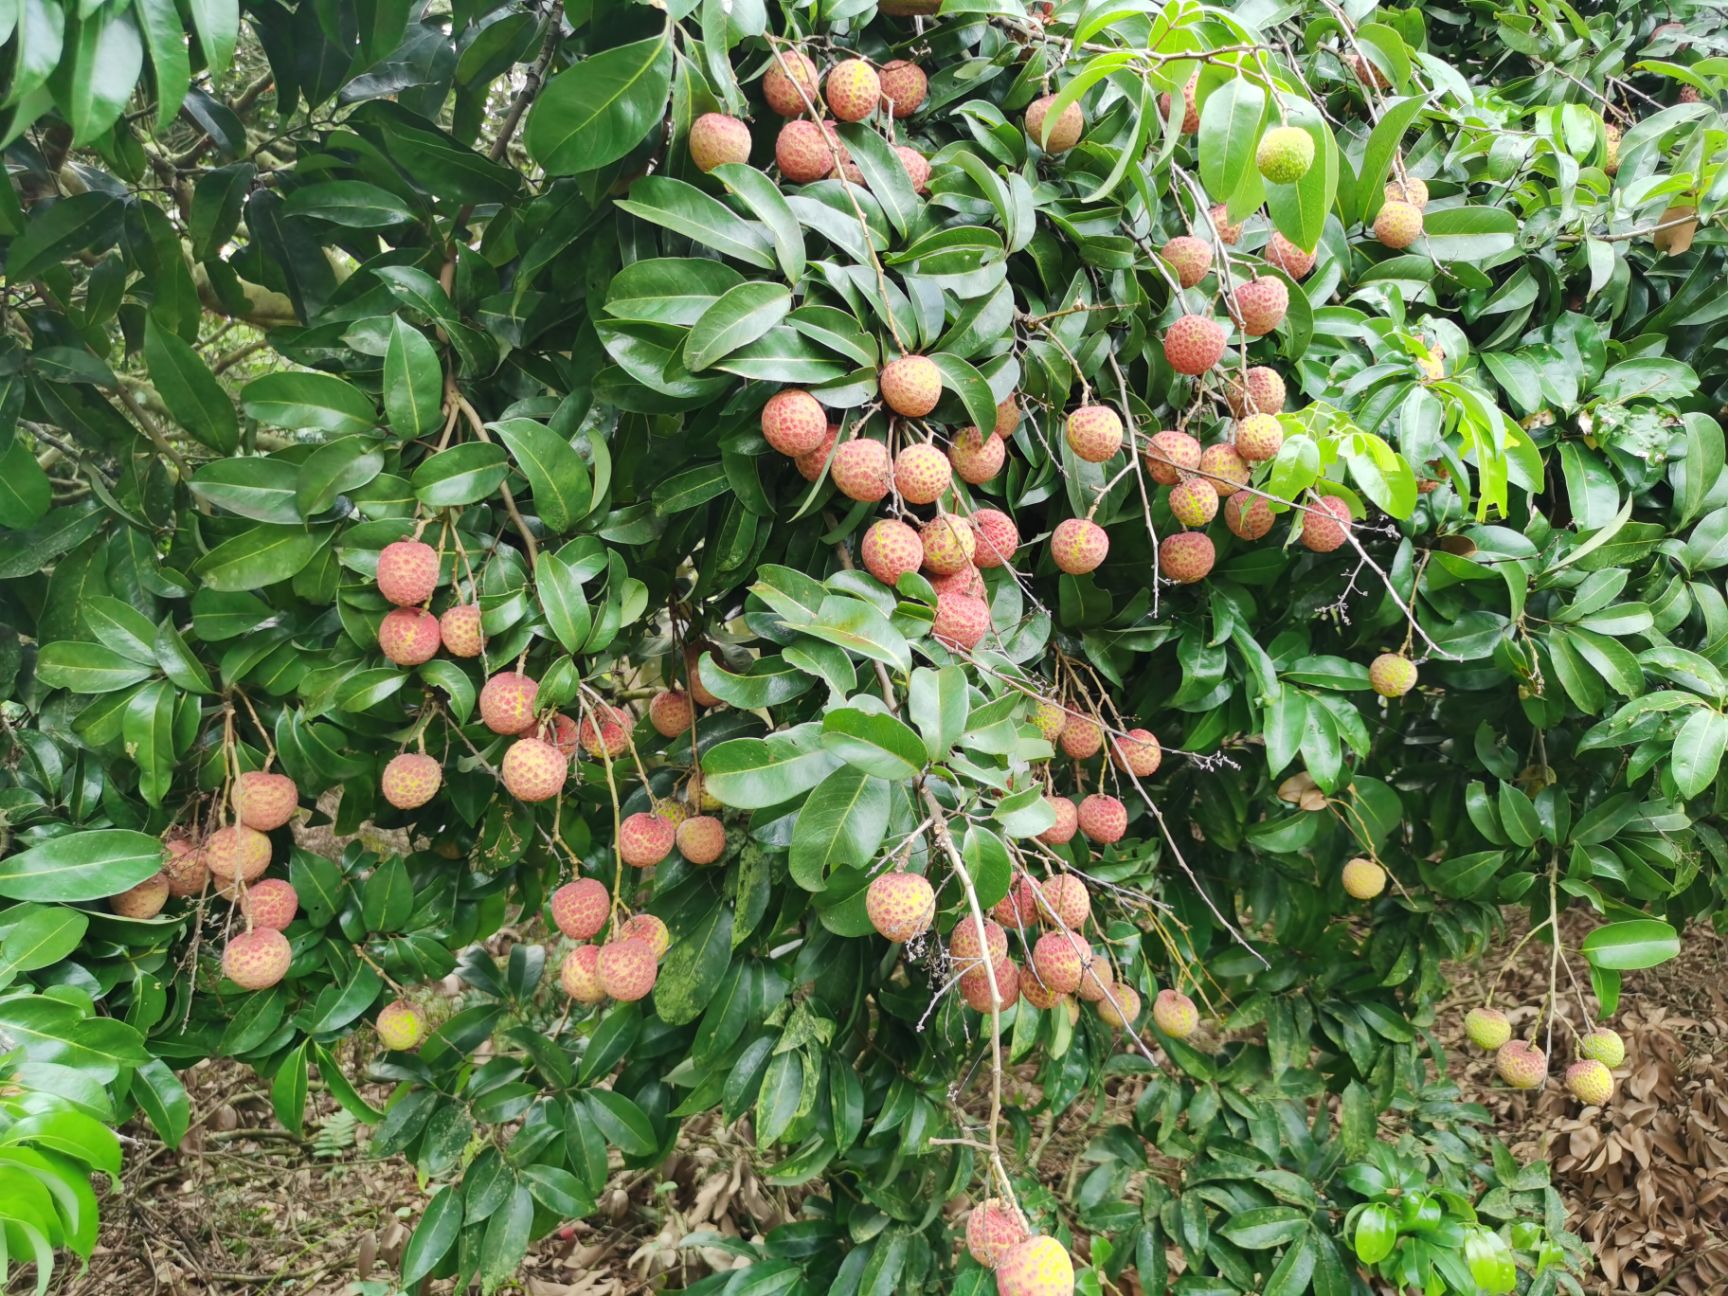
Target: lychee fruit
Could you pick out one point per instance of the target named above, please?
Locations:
(1411, 189)
(270, 902)
(1066, 901)
(1049, 717)
(1096, 978)
(900, 906)
(410, 780)
(701, 839)
(961, 620)
(1019, 908)
(1228, 234)
(460, 632)
(670, 712)
(1079, 545)
(1521, 1064)
(1398, 225)
(1224, 468)
(1103, 819)
(257, 959)
(645, 839)
(648, 929)
(968, 581)
(580, 975)
(1190, 109)
(1392, 675)
(911, 385)
(408, 636)
(563, 733)
(890, 550)
(716, 138)
(1368, 73)
(1611, 154)
(788, 72)
(1590, 1082)
(1249, 517)
(803, 151)
(1121, 1007)
(1189, 258)
(142, 901)
(1194, 502)
(813, 463)
(853, 90)
(862, 470)
(904, 86)
(1186, 557)
(1136, 751)
(1058, 959)
(1363, 879)
(1094, 433)
(400, 1026)
(1081, 737)
(975, 457)
(1603, 1045)
(1285, 154)
(993, 1228)
(922, 473)
(1193, 344)
(998, 538)
(407, 572)
(1037, 1267)
(1007, 417)
(1175, 1014)
(534, 770)
(1064, 132)
(966, 948)
(1067, 821)
(1259, 437)
(507, 702)
(1256, 390)
(1286, 256)
(1260, 305)
(1040, 996)
(605, 733)
(265, 801)
(975, 987)
(183, 866)
(1169, 455)
(627, 969)
(1488, 1028)
(916, 166)
(793, 422)
(1326, 524)
(949, 543)
(581, 908)
(237, 852)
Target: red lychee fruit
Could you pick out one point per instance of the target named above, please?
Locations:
(949, 543)
(142, 901)
(1067, 904)
(1287, 256)
(961, 621)
(563, 733)
(627, 969)
(904, 86)
(237, 852)
(410, 780)
(862, 470)
(1064, 132)
(1326, 524)
(793, 422)
(1103, 819)
(1189, 258)
(1521, 1064)
(1170, 455)
(1190, 109)
(1260, 305)
(853, 90)
(1228, 234)
(901, 906)
(1193, 344)
(460, 632)
(911, 385)
(803, 152)
(1257, 390)
(1249, 517)
(993, 1228)
(975, 987)
(671, 712)
(1398, 225)
(1057, 958)
(813, 463)
(1067, 821)
(580, 975)
(507, 702)
(922, 473)
(998, 538)
(400, 1026)
(257, 959)
(534, 770)
(1019, 908)
(1082, 737)
(648, 929)
(1094, 433)
(265, 801)
(916, 166)
(1186, 557)
(408, 636)
(976, 458)
(1259, 437)
(1121, 1007)
(645, 839)
(1367, 73)
(581, 908)
(890, 550)
(701, 839)
(1175, 1014)
(1136, 751)
(1194, 502)
(407, 572)
(1007, 417)
(968, 581)
(1079, 545)
(789, 71)
(183, 866)
(606, 732)
(270, 902)
(694, 655)
(716, 138)
(967, 949)
(1036, 1267)
(1224, 468)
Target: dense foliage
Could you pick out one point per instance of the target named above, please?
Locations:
(289, 283)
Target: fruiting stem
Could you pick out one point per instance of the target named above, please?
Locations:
(617, 813)
(479, 428)
(1523, 940)
(372, 963)
(269, 746)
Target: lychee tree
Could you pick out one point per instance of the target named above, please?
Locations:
(936, 585)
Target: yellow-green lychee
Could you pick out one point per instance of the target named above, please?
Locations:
(1285, 154)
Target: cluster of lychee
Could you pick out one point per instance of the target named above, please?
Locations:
(1398, 223)
(1100, 818)
(1025, 1265)
(409, 634)
(625, 965)
(1522, 1065)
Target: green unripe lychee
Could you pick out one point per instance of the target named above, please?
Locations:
(1286, 153)
(1604, 1046)
(1488, 1028)
(1392, 675)
(1590, 1082)
(400, 1026)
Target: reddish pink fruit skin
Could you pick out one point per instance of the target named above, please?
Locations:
(1067, 822)
(992, 1230)
(789, 70)
(853, 90)
(793, 422)
(507, 702)
(237, 852)
(962, 621)
(1057, 958)
(975, 987)
(645, 839)
(580, 975)
(802, 152)
(1190, 258)
(411, 780)
(948, 543)
(183, 865)
(1193, 344)
(1081, 737)
(581, 908)
(701, 839)
(716, 139)
(1103, 818)
(975, 456)
(1249, 517)
(627, 969)
(265, 801)
(862, 470)
(1324, 527)
(1186, 557)
(900, 906)
(890, 550)
(613, 736)
(911, 385)
(534, 770)
(998, 538)
(1169, 455)
(563, 733)
(1019, 908)
(409, 636)
(407, 572)
(1260, 306)
(460, 632)
(270, 902)
(1067, 903)
(1079, 546)
(922, 473)
(1138, 752)
(648, 929)
(142, 901)
(257, 959)
(904, 86)
(916, 166)
(671, 712)
(965, 948)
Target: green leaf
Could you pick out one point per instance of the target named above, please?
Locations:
(623, 1123)
(87, 667)
(1469, 233)
(506, 1240)
(1632, 945)
(218, 26)
(939, 702)
(259, 556)
(148, 730)
(669, 290)
(1376, 1233)
(765, 202)
(559, 587)
(839, 826)
(555, 472)
(1383, 143)
(265, 490)
(413, 382)
(1702, 463)
(38, 936)
(1698, 751)
(333, 469)
(685, 209)
(883, 172)
(736, 319)
(288, 1089)
(25, 492)
(876, 743)
(859, 627)
(751, 773)
(312, 402)
(1264, 1227)
(601, 108)
(960, 377)
(1230, 134)
(463, 474)
(89, 865)
(98, 70)
(433, 1236)
(351, 203)
(163, 1098)
(84, 222)
(694, 967)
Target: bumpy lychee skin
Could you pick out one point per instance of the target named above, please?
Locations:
(671, 712)
(862, 470)
(788, 71)
(1137, 751)
(460, 631)
(1049, 717)
(904, 86)
(1175, 1014)
(962, 620)
(1096, 978)
(890, 550)
(1289, 258)
(1590, 1082)
(411, 780)
(968, 581)
(1067, 821)
(1604, 1046)
(265, 801)
(922, 473)
(627, 969)
(967, 949)
(1412, 189)
(802, 152)
(1171, 454)
(1037, 1267)
(1018, 910)
(1261, 305)
(581, 908)
(976, 457)
(237, 852)
(793, 422)
(1367, 73)
(1392, 675)
(813, 463)
(701, 839)
(1326, 524)
(142, 901)
(1521, 1064)
(1611, 154)
(1066, 902)
(716, 139)
(257, 959)
(993, 1229)
(1079, 546)
(853, 90)
(645, 839)
(1285, 154)
(400, 1026)
(648, 929)
(949, 543)
(1219, 215)
(1121, 1007)
(1257, 390)
(1398, 225)
(1040, 996)
(580, 975)
(1249, 517)
(1094, 433)
(975, 987)
(1064, 131)
(1224, 468)
(1190, 107)
(1186, 557)
(1363, 879)
(1194, 502)
(911, 385)
(563, 733)
(1189, 258)
(183, 867)
(1488, 1028)
(606, 733)
(270, 902)
(1259, 437)
(407, 572)
(1058, 959)
(1103, 819)
(533, 770)
(1081, 737)
(408, 636)
(507, 702)
(998, 539)
(1007, 417)
(900, 906)
(1193, 344)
